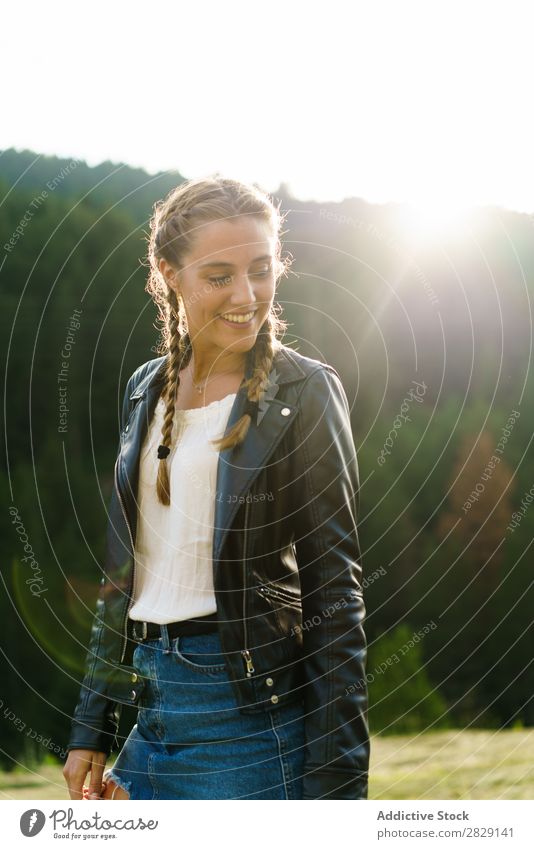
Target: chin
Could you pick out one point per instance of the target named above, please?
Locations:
(243, 339)
(242, 345)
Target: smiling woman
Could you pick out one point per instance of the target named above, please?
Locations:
(236, 700)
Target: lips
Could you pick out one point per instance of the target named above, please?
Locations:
(243, 319)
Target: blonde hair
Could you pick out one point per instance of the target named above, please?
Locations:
(172, 234)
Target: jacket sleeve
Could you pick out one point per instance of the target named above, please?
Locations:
(333, 610)
(96, 717)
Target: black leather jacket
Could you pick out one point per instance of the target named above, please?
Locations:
(287, 570)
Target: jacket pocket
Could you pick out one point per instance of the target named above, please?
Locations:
(275, 594)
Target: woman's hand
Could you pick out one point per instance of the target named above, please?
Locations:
(87, 794)
(79, 762)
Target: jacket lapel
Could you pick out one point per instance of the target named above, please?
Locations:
(237, 467)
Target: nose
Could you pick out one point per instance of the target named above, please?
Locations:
(243, 292)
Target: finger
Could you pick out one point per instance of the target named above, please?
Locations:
(100, 795)
(95, 785)
(75, 790)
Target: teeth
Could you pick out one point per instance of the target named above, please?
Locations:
(239, 319)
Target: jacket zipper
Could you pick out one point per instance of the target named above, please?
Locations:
(124, 624)
(279, 596)
(246, 652)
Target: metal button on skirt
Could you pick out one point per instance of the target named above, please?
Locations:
(190, 740)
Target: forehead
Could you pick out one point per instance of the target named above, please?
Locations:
(234, 241)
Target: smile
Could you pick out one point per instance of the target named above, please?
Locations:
(237, 318)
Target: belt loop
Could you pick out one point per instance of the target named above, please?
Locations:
(165, 642)
(142, 635)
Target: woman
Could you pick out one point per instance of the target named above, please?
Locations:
(239, 633)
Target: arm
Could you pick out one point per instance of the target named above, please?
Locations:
(96, 718)
(329, 562)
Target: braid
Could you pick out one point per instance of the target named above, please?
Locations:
(263, 361)
(263, 353)
(179, 351)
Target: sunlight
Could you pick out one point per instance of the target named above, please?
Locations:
(420, 115)
(432, 219)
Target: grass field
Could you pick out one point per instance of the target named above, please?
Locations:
(441, 765)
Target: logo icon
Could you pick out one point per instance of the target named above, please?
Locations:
(31, 822)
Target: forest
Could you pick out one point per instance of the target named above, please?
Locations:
(432, 337)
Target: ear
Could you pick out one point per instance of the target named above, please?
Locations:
(170, 274)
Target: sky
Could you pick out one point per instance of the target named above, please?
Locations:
(428, 103)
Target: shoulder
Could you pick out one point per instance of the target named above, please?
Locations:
(145, 373)
(307, 365)
(322, 393)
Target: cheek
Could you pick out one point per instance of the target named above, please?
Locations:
(201, 309)
(265, 292)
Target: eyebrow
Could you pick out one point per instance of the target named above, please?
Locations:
(230, 264)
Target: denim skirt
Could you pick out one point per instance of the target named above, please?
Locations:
(190, 740)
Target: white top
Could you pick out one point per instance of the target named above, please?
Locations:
(173, 547)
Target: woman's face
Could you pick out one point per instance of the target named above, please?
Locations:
(227, 284)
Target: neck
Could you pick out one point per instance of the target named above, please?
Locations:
(202, 366)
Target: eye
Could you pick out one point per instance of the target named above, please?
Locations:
(219, 281)
(264, 273)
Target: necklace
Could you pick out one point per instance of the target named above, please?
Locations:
(200, 386)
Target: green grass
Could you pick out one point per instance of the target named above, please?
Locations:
(452, 764)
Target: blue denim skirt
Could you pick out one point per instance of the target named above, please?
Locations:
(190, 740)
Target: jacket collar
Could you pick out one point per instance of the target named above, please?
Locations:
(237, 467)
